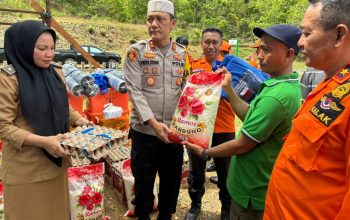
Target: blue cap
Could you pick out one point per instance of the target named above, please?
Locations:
(287, 34)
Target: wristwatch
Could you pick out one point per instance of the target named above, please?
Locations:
(204, 155)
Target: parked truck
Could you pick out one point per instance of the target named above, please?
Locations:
(68, 56)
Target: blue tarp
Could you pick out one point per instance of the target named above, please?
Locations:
(246, 79)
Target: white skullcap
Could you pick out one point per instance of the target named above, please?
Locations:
(161, 5)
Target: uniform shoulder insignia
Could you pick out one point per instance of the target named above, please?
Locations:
(343, 75)
(180, 45)
(9, 69)
(56, 65)
(142, 42)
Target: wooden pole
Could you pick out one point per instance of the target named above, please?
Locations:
(21, 11)
(48, 13)
(5, 23)
(66, 35)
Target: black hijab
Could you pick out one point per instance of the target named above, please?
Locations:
(42, 93)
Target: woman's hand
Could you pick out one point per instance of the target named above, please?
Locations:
(82, 121)
(193, 148)
(52, 144)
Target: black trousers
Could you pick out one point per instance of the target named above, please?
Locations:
(196, 176)
(150, 155)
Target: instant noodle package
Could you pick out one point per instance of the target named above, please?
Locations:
(195, 113)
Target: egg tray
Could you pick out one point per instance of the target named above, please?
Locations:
(117, 168)
(118, 154)
(92, 142)
(76, 161)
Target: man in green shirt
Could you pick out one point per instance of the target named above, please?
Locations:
(266, 121)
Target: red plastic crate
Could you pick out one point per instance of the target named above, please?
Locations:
(76, 102)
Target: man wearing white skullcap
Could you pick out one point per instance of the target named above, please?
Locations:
(153, 72)
(161, 5)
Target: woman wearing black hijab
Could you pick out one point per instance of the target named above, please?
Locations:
(34, 114)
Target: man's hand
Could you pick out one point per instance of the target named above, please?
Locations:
(82, 121)
(160, 129)
(227, 82)
(193, 148)
(239, 106)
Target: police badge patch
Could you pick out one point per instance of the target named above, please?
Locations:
(150, 81)
(177, 56)
(178, 81)
(132, 55)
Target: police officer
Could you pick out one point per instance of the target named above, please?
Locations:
(153, 72)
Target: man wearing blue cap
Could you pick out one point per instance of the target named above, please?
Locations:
(266, 120)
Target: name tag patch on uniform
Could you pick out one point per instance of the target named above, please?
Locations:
(327, 110)
(132, 55)
(149, 62)
(177, 63)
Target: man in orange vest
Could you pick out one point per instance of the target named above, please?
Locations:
(224, 50)
(311, 177)
(223, 131)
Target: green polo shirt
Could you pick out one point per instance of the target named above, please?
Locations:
(268, 120)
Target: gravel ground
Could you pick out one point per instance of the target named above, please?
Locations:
(210, 204)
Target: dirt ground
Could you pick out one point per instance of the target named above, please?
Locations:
(210, 204)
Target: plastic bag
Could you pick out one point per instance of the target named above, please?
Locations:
(111, 111)
(2, 210)
(129, 184)
(196, 110)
